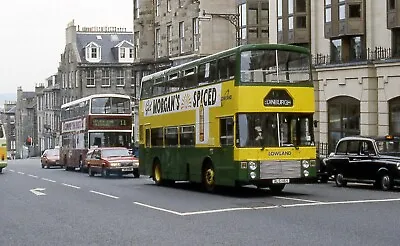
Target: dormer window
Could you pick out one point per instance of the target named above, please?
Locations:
(125, 51)
(122, 52)
(93, 52)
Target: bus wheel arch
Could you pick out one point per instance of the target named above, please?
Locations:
(208, 174)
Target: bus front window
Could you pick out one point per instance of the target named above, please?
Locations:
(111, 105)
(274, 66)
(110, 139)
(274, 130)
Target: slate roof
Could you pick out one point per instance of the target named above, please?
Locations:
(107, 42)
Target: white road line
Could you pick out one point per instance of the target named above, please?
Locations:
(159, 209)
(49, 180)
(295, 199)
(314, 203)
(21, 173)
(215, 211)
(11, 170)
(341, 202)
(72, 186)
(102, 194)
(33, 176)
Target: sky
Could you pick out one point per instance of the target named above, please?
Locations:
(32, 35)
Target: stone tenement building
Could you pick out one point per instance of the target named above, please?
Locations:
(25, 124)
(356, 55)
(48, 104)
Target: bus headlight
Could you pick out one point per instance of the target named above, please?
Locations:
(306, 173)
(252, 165)
(253, 175)
(305, 163)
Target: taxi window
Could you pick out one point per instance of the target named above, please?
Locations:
(353, 147)
(367, 147)
(342, 148)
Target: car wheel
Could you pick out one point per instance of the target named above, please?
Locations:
(277, 188)
(136, 174)
(339, 180)
(386, 182)
(42, 165)
(1, 170)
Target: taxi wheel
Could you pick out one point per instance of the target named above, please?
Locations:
(157, 176)
(339, 180)
(208, 178)
(386, 182)
(1, 170)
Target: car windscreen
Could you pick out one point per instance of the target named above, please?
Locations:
(388, 146)
(53, 152)
(115, 153)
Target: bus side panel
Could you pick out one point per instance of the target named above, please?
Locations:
(3, 156)
(225, 171)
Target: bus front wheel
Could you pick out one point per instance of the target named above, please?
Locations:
(208, 178)
(157, 176)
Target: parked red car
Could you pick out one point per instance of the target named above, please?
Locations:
(112, 160)
(50, 158)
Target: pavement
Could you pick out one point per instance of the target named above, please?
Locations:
(56, 207)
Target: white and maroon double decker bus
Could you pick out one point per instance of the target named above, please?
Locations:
(102, 120)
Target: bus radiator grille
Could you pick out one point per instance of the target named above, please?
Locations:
(280, 169)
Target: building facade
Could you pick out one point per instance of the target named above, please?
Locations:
(25, 124)
(355, 44)
(8, 120)
(48, 104)
(172, 32)
(99, 60)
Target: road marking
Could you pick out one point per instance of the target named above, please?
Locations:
(72, 186)
(11, 170)
(295, 199)
(49, 180)
(33, 176)
(21, 173)
(314, 203)
(159, 209)
(341, 202)
(216, 211)
(38, 191)
(103, 194)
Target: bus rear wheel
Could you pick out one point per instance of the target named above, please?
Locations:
(208, 178)
(157, 176)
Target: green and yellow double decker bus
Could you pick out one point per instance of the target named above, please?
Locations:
(243, 116)
(3, 148)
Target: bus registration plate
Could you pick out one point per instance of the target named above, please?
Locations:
(127, 169)
(281, 181)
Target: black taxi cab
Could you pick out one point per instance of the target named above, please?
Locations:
(374, 160)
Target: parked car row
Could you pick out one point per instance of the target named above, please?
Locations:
(104, 161)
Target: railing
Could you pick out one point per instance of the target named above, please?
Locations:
(322, 150)
(368, 55)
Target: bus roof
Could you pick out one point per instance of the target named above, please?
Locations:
(285, 47)
(93, 96)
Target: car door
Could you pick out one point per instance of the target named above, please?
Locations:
(353, 153)
(367, 164)
(339, 161)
